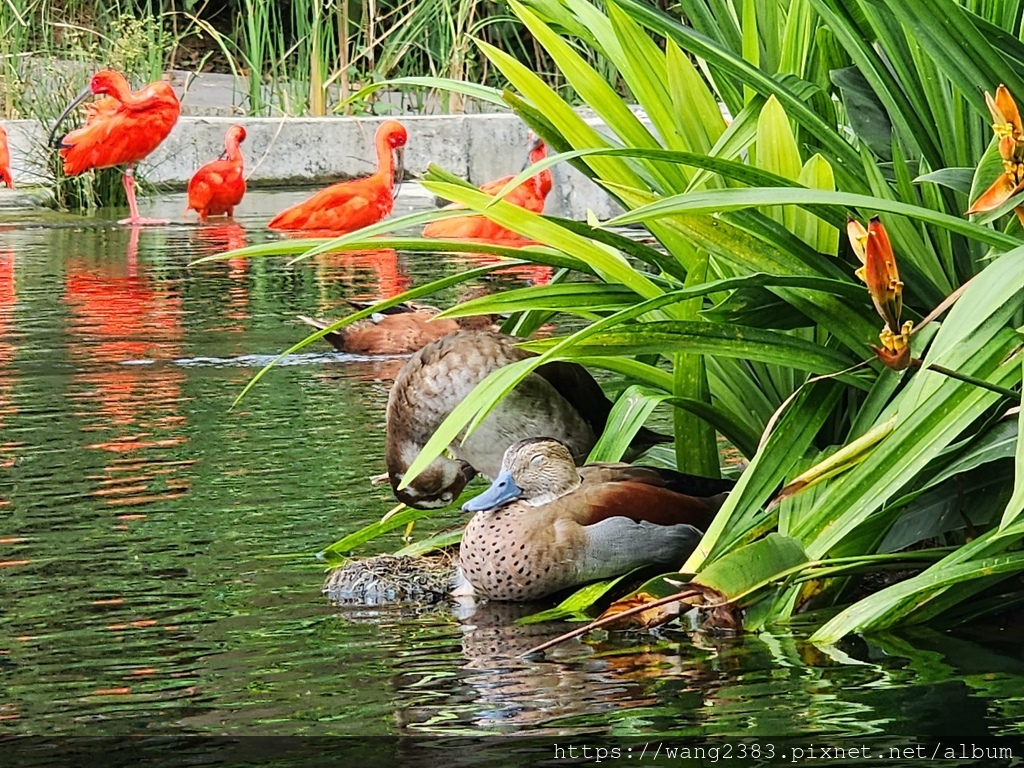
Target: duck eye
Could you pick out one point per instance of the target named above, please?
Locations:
(537, 460)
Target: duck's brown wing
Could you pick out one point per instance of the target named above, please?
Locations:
(641, 502)
(678, 482)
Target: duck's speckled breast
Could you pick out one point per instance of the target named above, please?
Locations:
(516, 554)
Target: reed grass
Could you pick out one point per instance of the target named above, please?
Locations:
(299, 58)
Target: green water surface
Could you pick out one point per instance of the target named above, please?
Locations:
(156, 546)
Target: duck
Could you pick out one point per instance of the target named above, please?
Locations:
(398, 330)
(559, 399)
(545, 525)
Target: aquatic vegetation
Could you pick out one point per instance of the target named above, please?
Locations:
(767, 127)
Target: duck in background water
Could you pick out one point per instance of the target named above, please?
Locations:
(121, 129)
(559, 399)
(217, 187)
(351, 205)
(401, 329)
(545, 525)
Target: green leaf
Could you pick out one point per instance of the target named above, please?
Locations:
(777, 153)
(373, 530)
(1016, 504)
(958, 179)
(820, 235)
(746, 569)
(481, 92)
(741, 517)
(606, 261)
(714, 339)
(629, 414)
(575, 606)
(749, 75)
(867, 115)
(430, 544)
(718, 200)
(759, 308)
(886, 607)
(574, 298)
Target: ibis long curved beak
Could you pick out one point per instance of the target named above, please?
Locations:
(399, 170)
(502, 491)
(85, 94)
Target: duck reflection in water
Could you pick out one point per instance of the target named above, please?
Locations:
(498, 689)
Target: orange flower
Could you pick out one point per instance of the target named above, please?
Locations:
(879, 272)
(1007, 127)
(895, 350)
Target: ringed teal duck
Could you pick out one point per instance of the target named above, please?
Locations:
(545, 525)
(401, 329)
(560, 400)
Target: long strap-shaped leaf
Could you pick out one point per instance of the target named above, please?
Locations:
(706, 48)
(666, 336)
(718, 200)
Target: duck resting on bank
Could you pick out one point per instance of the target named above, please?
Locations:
(560, 400)
(546, 525)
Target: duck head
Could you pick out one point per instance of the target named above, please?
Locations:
(535, 471)
(436, 486)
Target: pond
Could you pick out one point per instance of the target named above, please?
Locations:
(157, 569)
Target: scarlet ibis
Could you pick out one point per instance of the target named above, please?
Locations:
(217, 187)
(120, 129)
(531, 195)
(351, 205)
(5, 160)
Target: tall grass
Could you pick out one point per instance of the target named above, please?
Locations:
(296, 58)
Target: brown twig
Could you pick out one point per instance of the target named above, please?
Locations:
(945, 304)
(598, 623)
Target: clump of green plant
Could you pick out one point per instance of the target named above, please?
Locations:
(750, 318)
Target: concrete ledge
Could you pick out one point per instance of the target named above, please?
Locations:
(316, 151)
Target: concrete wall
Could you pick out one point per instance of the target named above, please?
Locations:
(316, 151)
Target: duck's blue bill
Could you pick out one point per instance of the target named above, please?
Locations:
(502, 491)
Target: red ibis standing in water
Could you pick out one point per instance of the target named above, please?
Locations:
(351, 205)
(531, 195)
(217, 187)
(5, 160)
(120, 129)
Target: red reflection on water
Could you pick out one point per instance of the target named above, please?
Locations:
(8, 349)
(534, 274)
(218, 238)
(125, 328)
(354, 267)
